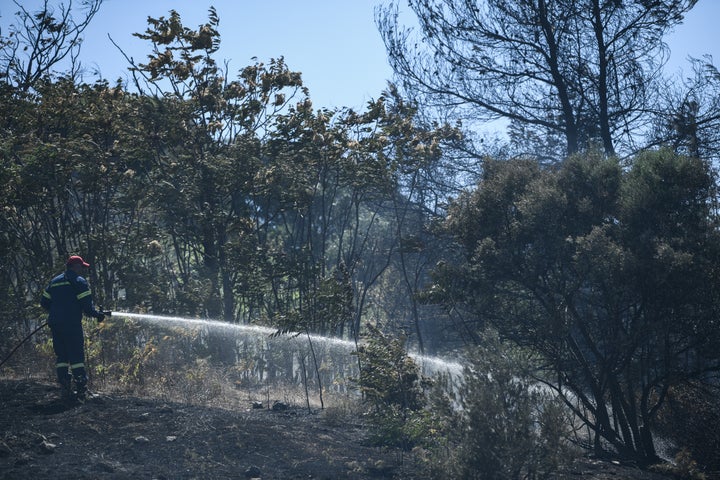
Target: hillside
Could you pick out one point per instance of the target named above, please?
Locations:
(115, 436)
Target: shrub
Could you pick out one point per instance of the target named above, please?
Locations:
(690, 419)
(394, 390)
(388, 376)
(510, 427)
(683, 468)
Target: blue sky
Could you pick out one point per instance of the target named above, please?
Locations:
(334, 43)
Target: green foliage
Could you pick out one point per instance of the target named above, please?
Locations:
(131, 357)
(388, 376)
(207, 196)
(511, 427)
(609, 274)
(395, 427)
(134, 371)
(329, 307)
(399, 410)
(204, 195)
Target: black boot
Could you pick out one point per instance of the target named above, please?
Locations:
(66, 393)
(81, 387)
(80, 383)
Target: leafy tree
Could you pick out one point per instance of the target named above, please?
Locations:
(74, 165)
(609, 275)
(415, 151)
(69, 186)
(334, 191)
(211, 149)
(298, 195)
(405, 157)
(583, 71)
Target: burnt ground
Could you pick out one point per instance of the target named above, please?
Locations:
(118, 436)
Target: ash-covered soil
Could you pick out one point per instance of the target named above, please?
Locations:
(121, 437)
(115, 436)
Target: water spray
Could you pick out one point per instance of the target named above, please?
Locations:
(435, 364)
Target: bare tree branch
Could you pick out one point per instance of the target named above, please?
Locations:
(38, 42)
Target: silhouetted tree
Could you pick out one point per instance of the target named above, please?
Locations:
(583, 71)
(610, 275)
(687, 115)
(41, 40)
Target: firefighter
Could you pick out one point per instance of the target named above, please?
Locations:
(67, 297)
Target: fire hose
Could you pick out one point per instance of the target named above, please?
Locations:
(21, 343)
(105, 313)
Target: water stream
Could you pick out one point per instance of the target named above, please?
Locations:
(259, 356)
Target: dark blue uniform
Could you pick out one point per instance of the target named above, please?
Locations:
(67, 297)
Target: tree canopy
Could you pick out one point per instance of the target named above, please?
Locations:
(194, 193)
(565, 74)
(202, 193)
(609, 275)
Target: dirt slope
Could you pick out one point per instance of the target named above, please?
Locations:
(122, 437)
